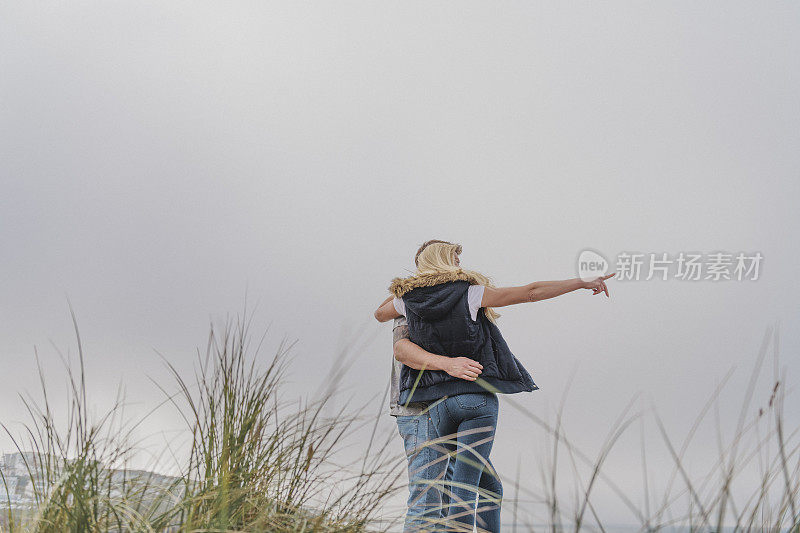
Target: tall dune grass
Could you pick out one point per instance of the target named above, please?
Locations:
(254, 468)
(257, 461)
(691, 501)
(71, 466)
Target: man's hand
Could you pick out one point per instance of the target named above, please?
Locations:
(463, 368)
(598, 285)
(418, 358)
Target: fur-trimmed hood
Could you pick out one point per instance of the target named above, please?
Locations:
(401, 286)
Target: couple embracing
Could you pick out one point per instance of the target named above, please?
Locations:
(450, 362)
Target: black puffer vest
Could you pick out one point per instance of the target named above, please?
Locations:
(439, 321)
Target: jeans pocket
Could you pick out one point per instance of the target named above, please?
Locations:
(471, 401)
(408, 427)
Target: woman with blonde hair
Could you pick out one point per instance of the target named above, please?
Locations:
(449, 311)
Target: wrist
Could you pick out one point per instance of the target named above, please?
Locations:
(443, 363)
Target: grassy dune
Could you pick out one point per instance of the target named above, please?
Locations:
(258, 463)
(255, 463)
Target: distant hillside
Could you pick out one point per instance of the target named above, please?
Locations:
(22, 477)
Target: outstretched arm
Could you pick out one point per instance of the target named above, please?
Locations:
(412, 355)
(540, 290)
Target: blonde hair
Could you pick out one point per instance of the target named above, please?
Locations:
(436, 256)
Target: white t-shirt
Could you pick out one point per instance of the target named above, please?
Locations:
(474, 297)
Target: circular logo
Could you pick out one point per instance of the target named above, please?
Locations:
(591, 265)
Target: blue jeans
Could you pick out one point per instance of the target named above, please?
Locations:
(428, 473)
(468, 422)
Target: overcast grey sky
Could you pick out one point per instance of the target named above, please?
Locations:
(158, 160)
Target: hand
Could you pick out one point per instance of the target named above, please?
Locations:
(463, 368)
(598, 285)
